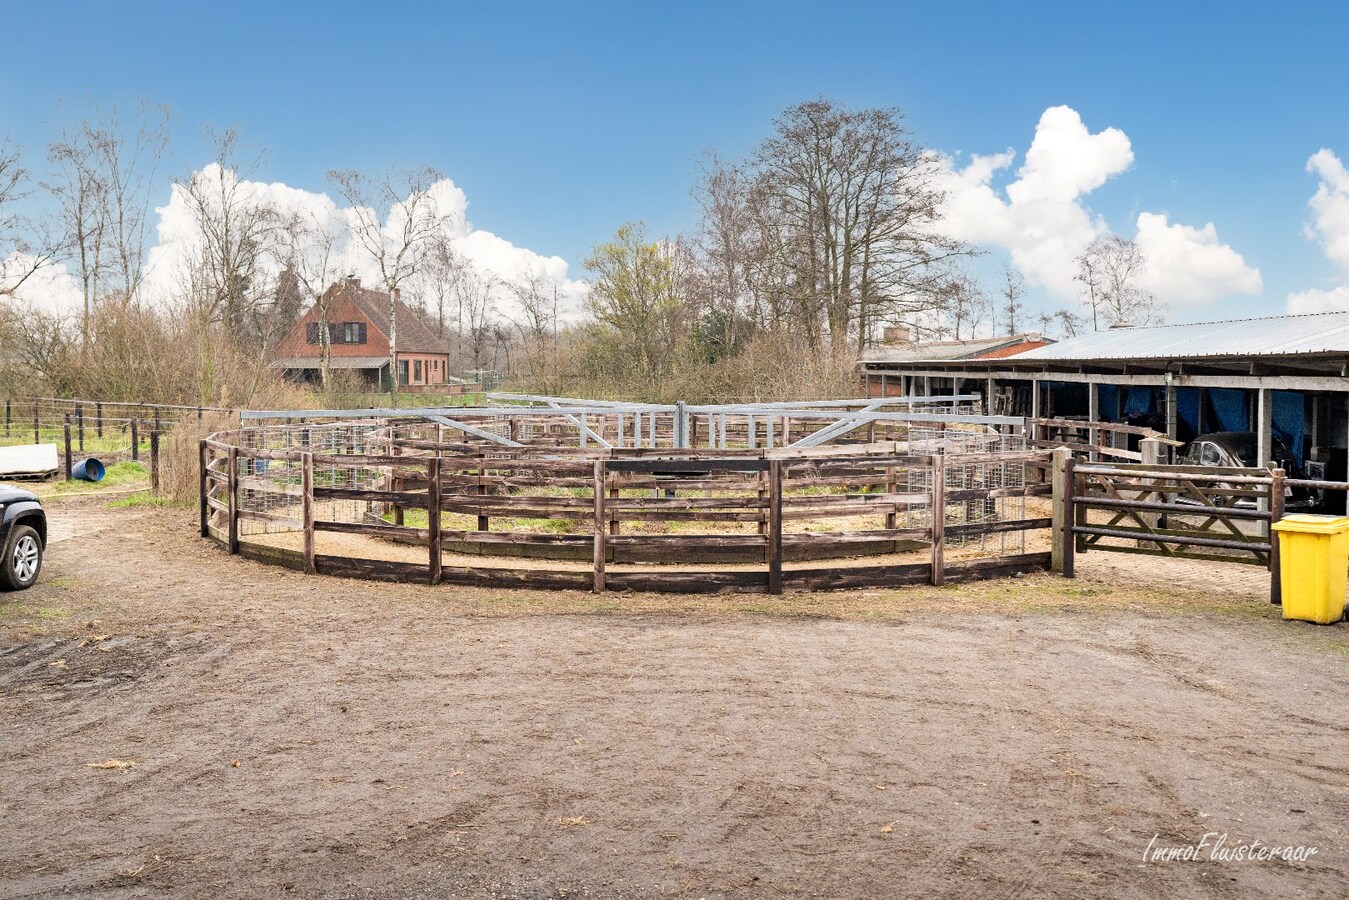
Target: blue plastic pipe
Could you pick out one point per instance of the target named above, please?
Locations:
(88, 470)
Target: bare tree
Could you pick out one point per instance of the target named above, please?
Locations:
(476, 296)
(396, 222)
(962, 305)
(103, 183)
(1063, 322)
(1013, 290)
(538, 299)
(1109, 271)
(728, 247)
(237, 231)
(21, 254)
(437, 284)
(853, 205)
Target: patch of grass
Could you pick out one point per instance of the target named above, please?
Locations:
(118, 475)
(145, 498)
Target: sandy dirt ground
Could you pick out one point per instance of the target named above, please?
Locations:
(267, 734)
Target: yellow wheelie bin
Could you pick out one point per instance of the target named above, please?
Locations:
(1314, 566)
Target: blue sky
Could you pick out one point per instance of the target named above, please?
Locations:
(561, 121)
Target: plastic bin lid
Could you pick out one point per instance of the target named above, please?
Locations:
(1306, 523)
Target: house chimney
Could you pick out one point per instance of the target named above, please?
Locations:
(353, 281)
(896, 335)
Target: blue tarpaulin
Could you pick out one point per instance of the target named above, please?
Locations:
(1108, 396)
(1187, 410)
(1138, 402)
(1290, 421)
(1229, 409)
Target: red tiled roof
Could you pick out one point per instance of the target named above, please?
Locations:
(413, 335)
(1011, 349)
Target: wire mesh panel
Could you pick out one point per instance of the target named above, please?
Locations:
(468, 499)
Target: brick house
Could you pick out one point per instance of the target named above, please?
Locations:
(358, 327)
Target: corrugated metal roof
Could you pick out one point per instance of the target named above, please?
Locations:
(1272, 336)
(952, 350)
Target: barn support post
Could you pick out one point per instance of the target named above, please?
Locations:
(1170, 393)
(203, 484)
(1094, 415)
(1276, 501)
(68, 454)
(601, 530)
(1264, 426)
(307, 510)
(435, 541)
(233, 500)
(775, 526)
(938, 509)
(1264, 433)
(1035, 398)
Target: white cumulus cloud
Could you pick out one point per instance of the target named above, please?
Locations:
(178, 237)
(1318, 301)
(1190, 266)
(1329, 227)
(51, 289)
(1330, 207)
(1041, 219)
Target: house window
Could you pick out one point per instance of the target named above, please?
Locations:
(417, 372)
(353, 333)
(311, 333)
(402, 371)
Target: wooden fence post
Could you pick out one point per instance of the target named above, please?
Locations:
(433, 517)
(601, 529)
(307, 510)
(484, 522)
(37, 430)
(775, 526)
(938, 505)
(1061, 530)
(68, 446)
(1276, 502)
(203, 487)
(79, 420)
(154, 461)
(135, 440)
(98, 418)
(7, 417)
(233, 498)
(1150, 451)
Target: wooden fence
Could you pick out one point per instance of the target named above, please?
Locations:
(1177, 511)
(643, 519)
(1095, 441)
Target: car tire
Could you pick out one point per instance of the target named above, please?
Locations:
(22, 560)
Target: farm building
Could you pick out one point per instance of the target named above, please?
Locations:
(358, 330)
(1282, 376)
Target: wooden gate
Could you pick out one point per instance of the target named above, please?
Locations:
(1191, 512)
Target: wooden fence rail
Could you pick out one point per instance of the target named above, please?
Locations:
(314, 492)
